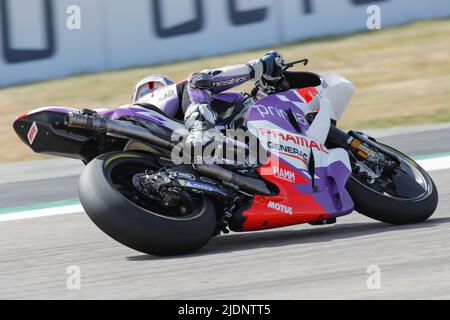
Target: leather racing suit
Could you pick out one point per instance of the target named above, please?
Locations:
(193, 99)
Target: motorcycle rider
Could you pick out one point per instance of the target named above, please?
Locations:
(194, 99)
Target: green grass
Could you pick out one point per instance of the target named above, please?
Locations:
(402, 77)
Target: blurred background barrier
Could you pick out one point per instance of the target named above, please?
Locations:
(44, 39)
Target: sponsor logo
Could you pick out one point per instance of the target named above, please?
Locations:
(284, 174)
(183, 175)
(280, 207)
(269, 111)
(201, 186)
(32, 133)
(296, 139)
(288, 150)
(230, 82)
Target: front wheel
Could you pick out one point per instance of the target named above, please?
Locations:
(112, 202)
(406, 195)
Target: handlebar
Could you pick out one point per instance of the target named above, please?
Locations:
(277, 83)
(285, 67)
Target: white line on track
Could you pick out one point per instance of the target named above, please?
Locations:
(435, 164)
(42, 213)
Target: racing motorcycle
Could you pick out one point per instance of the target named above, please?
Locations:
(313, 172)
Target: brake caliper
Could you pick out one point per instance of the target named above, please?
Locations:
(371, 163)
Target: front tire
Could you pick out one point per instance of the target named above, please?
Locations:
(393, 210)
(136, 227)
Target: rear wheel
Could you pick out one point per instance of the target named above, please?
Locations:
(406, 195)
(114, 204)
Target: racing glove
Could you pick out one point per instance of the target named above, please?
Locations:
(268, 67)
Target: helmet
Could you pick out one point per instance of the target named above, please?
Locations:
(148, 85)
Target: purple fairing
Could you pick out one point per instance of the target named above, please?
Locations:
(117, 113)
(158, 120)
(333, 197)
(142, 113)
(276, 108)
(335, 200)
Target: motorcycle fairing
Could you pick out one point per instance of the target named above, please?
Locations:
(52, 137)
(152, 115)
(306, 193)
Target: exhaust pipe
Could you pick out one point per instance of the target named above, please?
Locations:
(78, 120)
(124, 128)
(246, 183)
(118, 127)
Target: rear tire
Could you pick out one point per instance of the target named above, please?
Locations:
(135, 227)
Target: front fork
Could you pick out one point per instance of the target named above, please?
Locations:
(351, 141)
(363, 147)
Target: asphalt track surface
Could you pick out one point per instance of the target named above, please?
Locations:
(299, 262)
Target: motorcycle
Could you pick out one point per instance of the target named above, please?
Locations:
(313, 171)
